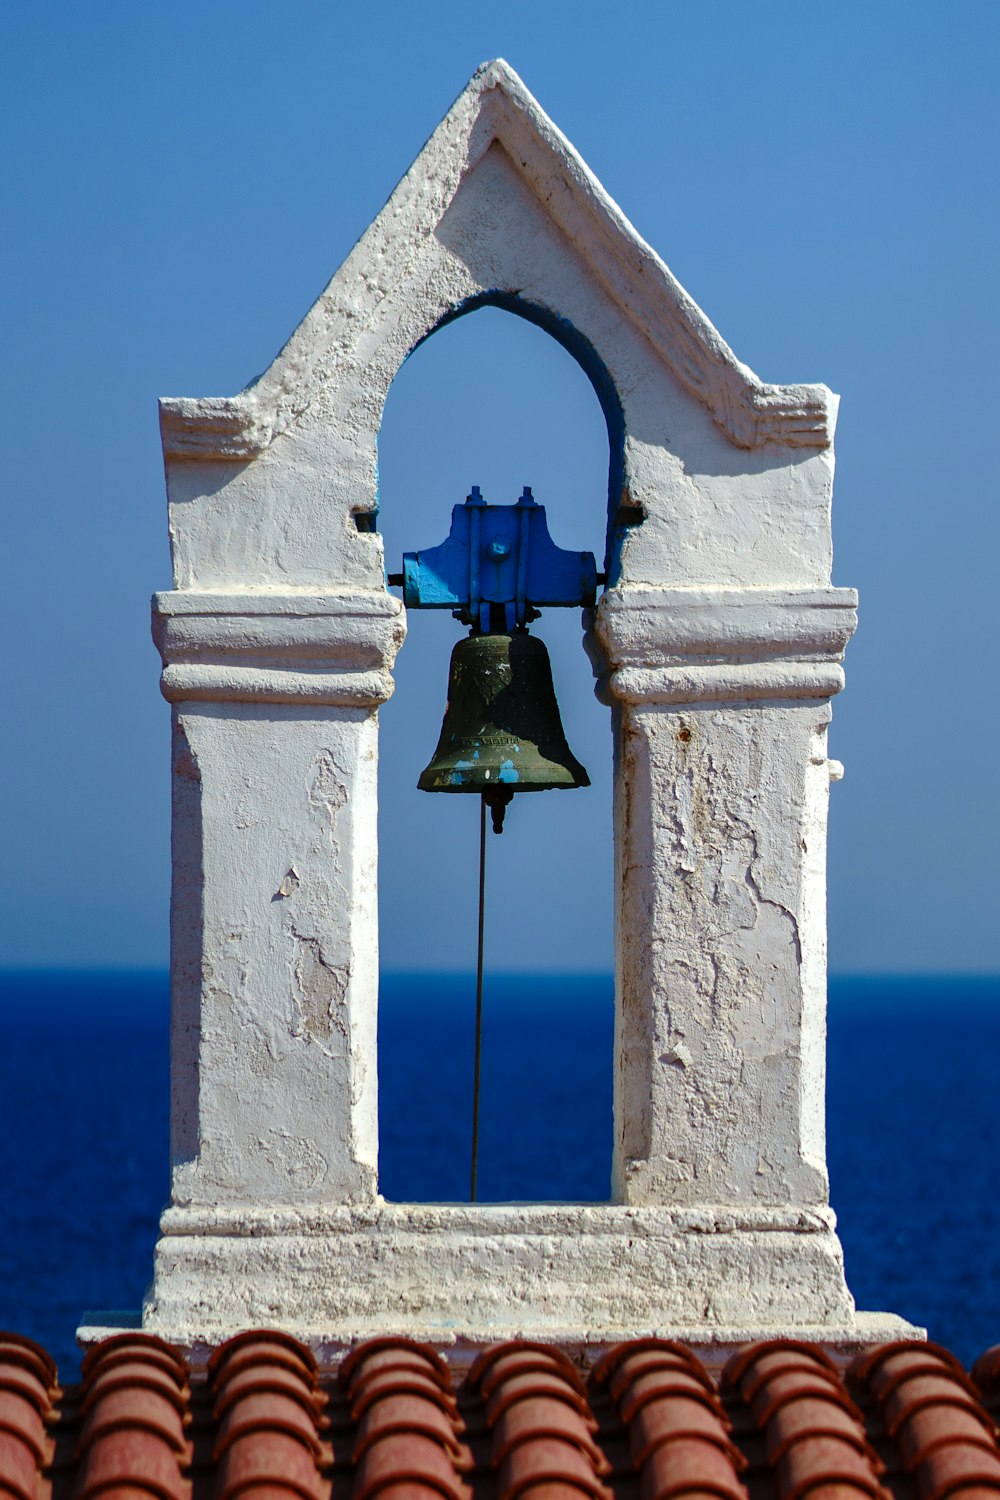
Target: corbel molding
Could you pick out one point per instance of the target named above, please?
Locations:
(215, 428)
(336, 649)
(671, 646)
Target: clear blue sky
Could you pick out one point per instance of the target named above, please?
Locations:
(179, 182)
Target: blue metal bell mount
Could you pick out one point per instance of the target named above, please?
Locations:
(498, 555)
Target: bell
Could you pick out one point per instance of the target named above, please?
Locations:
(502, 732)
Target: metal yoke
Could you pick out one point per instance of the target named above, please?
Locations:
(502, 556)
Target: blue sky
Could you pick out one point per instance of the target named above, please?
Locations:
(180, 181)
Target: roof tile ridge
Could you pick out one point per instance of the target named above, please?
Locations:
(738, 1363)
(255, 1345)
(531, 1354)
(369, 1351)
(943, 1436)
(269, 1415)
(541, 1427)
(146, 1346)
(17, 1349)
(133, 1434)
(610, 1360)
(679, 1433)
(30, 1409)
(814, 1433)
(409, 1431)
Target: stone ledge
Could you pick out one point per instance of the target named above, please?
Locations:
(713, 1347)
(602, 1272)
(723, 684)
(269, 647)
(643, 625)
(215, 683)
(487, 1219)
(668, 645)
(331, 603)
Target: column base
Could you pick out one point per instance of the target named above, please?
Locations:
(464, 1276)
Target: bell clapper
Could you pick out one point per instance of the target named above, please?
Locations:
(498, 802)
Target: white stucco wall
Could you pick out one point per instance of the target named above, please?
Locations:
(717, 646)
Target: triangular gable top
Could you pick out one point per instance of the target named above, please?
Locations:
(495, 107)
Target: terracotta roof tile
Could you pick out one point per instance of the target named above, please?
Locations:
(648, 1422)
(395, 1354)
(929, 1409)
(690, 1467)
(20, 1419)
(19, 1466)
(541, 1429)
(815, 1438)
(20, 1353)
(509, 1360)
(407, 1413)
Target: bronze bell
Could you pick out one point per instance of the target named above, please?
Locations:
(502, 733)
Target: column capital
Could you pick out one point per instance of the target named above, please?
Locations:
(668, 645)
(263, 646)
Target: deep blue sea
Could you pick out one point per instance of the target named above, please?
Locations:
(913, 1123)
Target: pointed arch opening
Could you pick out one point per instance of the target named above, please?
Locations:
(492, 400)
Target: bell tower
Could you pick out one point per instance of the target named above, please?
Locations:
(716, 642)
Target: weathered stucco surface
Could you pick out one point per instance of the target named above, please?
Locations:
(717, 647)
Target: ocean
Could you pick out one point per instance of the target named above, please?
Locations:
(913, 1130)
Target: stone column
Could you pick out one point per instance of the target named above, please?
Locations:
(721, 708)
(274, 930)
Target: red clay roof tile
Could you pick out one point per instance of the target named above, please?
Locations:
(935, 1426)
(986, 1369)
(266, 1411)
(126, 1346)
(259, 1348)
(548, 1460)
(773, 1356)
(545, 1417)
(687, 1467)
(507, 1361)
(630, 1367)
(267, 1460)
(393, 1352)
(383, 1384)
(253, 1380)
(658, 1386)
(20, 1353)
(406, 1413)
(955, 1466)
(19, 1467)
(132, 1374)
(20, 1417)
(647, 1423)
(802, 1421)
(408, 1457)
(637, 1349)
(535, 1385)
(824, 1461)
(136, 1408)
(134, 1457)
(671, 1417)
